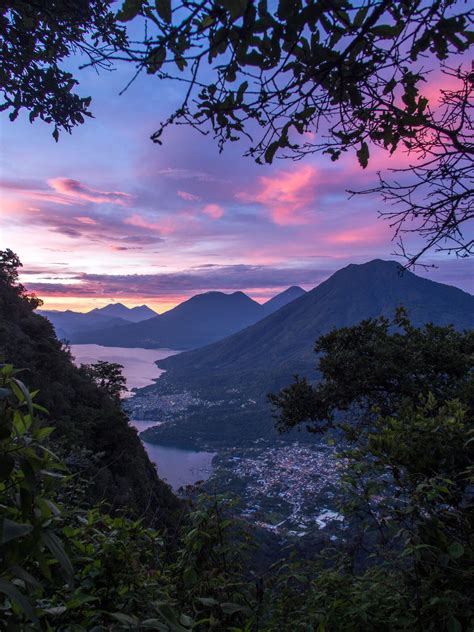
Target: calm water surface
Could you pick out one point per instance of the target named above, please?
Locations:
(175, 465)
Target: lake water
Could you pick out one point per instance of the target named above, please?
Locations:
(175, 465)
(138, 364)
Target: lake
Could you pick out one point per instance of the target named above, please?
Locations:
(175, 465)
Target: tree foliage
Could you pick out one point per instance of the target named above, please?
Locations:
(294, 78)
(108, 376)
(66, 567)
(378, 364)
(400, 404)
(36, 38)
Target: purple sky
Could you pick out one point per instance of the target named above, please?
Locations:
(106, 215)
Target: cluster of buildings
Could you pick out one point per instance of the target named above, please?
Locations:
(151, 405)
(287, 488)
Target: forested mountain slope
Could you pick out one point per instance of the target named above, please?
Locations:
(91, 431)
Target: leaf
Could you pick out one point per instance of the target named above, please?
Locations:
(208, 601)
(236, 8)
(456, 550)
(453, 625)
(25, 392)
(7, 463)
(130, 9)
(156, 59)
(56, 610)
(56, 548)
(15, 595)
(363, 155)
(231, 608)
(126, 619)
(270, 152)
(12, 530)
(163, 8)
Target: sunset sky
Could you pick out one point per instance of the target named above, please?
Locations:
(105, 215)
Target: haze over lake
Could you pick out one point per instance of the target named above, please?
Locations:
(177, 466)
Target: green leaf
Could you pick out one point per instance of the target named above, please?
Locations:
(236, 8)
(453, 625)
(7, 463)
(12, 530)
(56, 548)
(231, 608)
(126, 619)
(163, 8)
(15, 595)
(208, 601)
(456, 550)
(156, 59)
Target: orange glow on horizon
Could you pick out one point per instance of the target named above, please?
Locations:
(80, 304)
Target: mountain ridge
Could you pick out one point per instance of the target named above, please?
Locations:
(200, 320)
(282, 343)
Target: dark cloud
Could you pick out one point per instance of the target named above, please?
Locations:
(204, 278)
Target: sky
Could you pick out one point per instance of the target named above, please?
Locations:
(105, 215)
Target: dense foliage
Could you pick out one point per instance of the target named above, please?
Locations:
(397, 399)
(92, 432)
(405, 561)
(379, 363)
(36, 38)
(65, 567)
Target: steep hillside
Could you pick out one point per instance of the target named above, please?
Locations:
(92, 432)
(264, 357)
(284, 341)
(282, 299)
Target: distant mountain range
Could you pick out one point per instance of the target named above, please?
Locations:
(264, 357)
(282, 299)
(201, 320)
(131, 314)
(69, 324)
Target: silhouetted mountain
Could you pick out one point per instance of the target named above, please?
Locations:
(118, 310)
(283, 342)
(265, 357)
(68, 324)
(198, 321)
(282, 299)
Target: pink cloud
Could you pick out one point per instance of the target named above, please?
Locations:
(76, 189)
(287, 194)
(164, 227)
(213, 210)
(366, 235)
(190, 197)
(82, 219)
